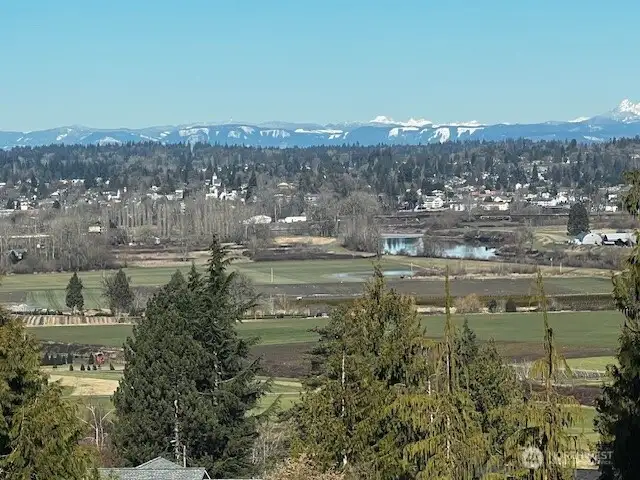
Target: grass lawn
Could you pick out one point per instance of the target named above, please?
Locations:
(285, 391)
(584, 428)
(591, 363)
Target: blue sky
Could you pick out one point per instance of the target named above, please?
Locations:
(139, 63)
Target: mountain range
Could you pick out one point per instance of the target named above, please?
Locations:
(622, 121)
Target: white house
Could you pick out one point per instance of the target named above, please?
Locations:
(258, 220)
(430, 202)
(297, 219)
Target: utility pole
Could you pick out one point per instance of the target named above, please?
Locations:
(342, 383)
(176, 432)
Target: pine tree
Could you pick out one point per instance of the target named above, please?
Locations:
(188, 378)
(494, 391)
(39, 430)
(578, 219)
(74, 299)
(550, 415)
(371, 350)
(618, 409)
(118, 293)
(443, 436)
(466, 345)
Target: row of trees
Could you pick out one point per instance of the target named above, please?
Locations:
(387, 169)
(116, 290)
(385, 401)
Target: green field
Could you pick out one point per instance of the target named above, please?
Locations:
(47, 290)
(595, 329)
(591, 363)
(576, 329)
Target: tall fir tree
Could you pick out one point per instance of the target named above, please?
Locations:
(549, 414)
(117, 290)
(618, 408)
(494, 390)
(371, 350)
(578, 219)
(442, 431)
(74, 298)
(188, 383)
(40, 433)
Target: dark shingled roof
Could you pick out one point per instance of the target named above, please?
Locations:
(156, 469)
(583, 474)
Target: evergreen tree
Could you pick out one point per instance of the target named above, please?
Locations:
(188, 378)
(550, 415)
(578, 219)
(466, 345)
(443, 436)
(498, 398)
(118, 292)
(371, 350)
(618, 417)
(74, 299)
(39, 430)
(494, 390)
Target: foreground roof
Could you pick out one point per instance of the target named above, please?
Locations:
(156, 469)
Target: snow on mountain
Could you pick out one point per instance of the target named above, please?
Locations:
(412, 122)
(622, 121)
(579, 120)
(627, 111)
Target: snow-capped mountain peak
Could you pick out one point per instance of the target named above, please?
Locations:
(627, 106)
(384, 120)
(412, 122)
(621, 121)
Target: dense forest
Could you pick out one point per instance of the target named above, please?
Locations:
(385, 169)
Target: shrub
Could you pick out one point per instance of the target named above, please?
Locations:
(510, 306)
(71, 367)
(469, 304)
(95, 368)
(111, 367)
(82, 369)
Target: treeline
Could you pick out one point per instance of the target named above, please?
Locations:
(387, 170)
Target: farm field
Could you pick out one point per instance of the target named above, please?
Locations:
(575, 329)
(314, 277)
(97, 387)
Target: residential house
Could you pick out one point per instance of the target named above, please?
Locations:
(156, 469)
(430, 202)
(625, 239)
(297, 219)
(258, 220)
